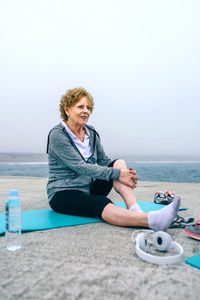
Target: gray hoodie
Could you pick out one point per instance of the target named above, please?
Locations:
(68, 170)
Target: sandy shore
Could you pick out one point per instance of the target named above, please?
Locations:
(94, 261)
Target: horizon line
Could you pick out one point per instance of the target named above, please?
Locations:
(111, 154)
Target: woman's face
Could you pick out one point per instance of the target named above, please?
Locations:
(79, 113)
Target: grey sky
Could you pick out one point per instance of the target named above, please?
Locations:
(139, 59)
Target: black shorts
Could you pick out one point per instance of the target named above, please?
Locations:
(75, 202)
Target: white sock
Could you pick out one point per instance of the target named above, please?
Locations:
(135, 207)
(161, 219)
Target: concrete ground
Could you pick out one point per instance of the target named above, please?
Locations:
(94, 261)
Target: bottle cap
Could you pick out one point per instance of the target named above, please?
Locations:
(14, 193)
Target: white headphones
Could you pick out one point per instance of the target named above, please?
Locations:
(162, 242)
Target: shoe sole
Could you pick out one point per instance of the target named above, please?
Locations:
(193, 235)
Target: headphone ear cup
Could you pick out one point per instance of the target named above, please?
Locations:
(142, 242)
(162, 241)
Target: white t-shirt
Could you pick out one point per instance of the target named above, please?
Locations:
(84, 147)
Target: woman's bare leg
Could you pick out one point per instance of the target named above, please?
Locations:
(123, 217)
(125, 191)
(156, 220)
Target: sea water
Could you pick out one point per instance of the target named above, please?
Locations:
(168, 171)
(146, 170)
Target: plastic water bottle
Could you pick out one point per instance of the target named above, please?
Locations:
(13, 238)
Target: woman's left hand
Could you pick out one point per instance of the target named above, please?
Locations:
(135, 177)
(129, 178)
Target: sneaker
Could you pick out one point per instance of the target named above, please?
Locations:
(170, 196)
(180, 222)
(194, 230)
(163, 197)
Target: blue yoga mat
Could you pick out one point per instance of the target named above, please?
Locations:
(194, 261)
(48, 219)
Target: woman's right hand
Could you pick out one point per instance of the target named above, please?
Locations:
(129, 178)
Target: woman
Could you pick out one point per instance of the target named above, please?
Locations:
(81, 175)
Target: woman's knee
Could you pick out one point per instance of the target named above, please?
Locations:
(120, 164)
(108, 212)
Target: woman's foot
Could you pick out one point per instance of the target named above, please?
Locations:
(160, 220)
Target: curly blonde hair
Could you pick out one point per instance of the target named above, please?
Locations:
(71, 97)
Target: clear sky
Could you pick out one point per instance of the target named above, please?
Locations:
(139, 59)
